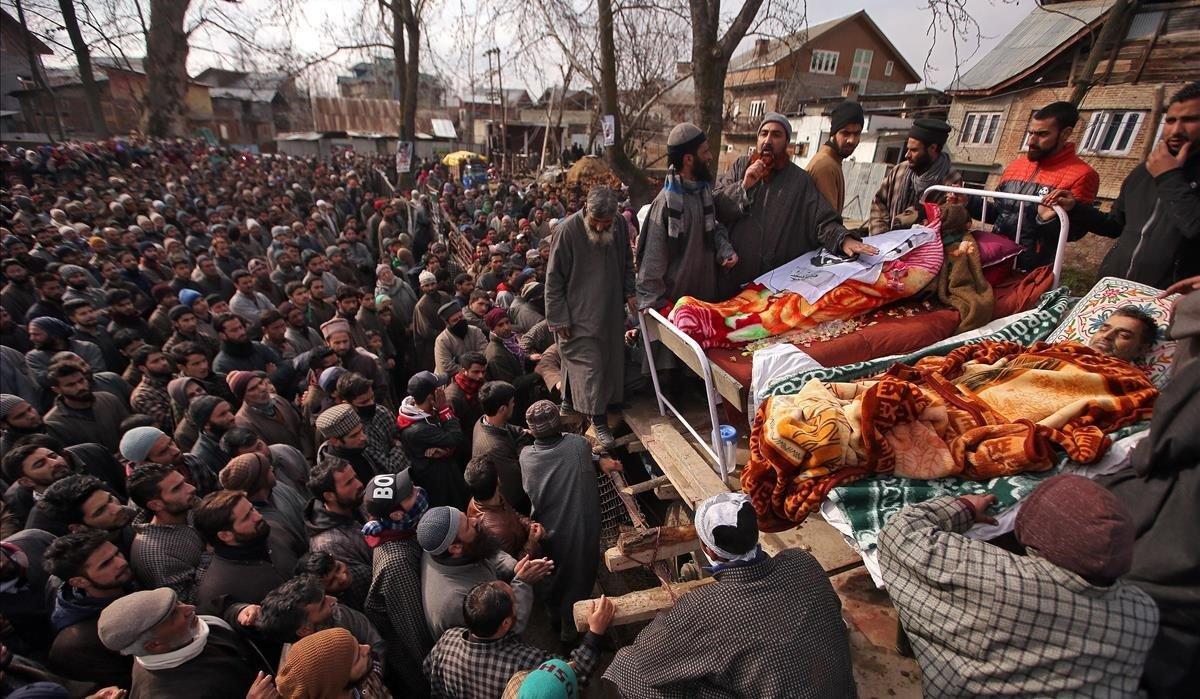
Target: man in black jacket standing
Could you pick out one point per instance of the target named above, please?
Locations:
(1156, 217)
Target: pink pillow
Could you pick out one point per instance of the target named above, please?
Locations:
(995, 248)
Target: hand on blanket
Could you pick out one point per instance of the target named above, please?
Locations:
(1183, 286)
(854, 246)
(979, 505)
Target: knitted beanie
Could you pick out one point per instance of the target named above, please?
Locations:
(338, 421)
(1077, 524)
(189, 296)
(137, 443)
(553, 679)
(239, 381)
(247, 472)
(426, 277)
(8, 402)
(333, 326)
(543, 418)
(685, 138)
(329, 378)
(52, 326)
(201, 409)
(318, 665)
(438, 529)
(846, 113)
(493, 318)
(777, 118)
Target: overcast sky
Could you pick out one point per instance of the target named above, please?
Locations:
(317, 26)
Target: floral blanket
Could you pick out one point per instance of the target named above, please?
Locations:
(985, 410)
(757, 313)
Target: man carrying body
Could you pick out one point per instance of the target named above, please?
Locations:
(1050, 164)
(845, 129)
(681, 244)
(897, 204)
(774, 211)
(1155, 216)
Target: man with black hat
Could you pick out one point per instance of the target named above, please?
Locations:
(845, 128)
(781, 611)
(897, 204)
(774, 211)
(681, 244)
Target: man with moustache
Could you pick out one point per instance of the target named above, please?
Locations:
(80, 414)
(1050, 163)
(897, 204)
(589, 285)
(773, 210)
(681, 245)
(1154, 218)
(151, 397)
(167, 551)
(30, 469)
(238, 352)
(82, 502)
(845, 129)
(148, 444)
(244, 567)
(340, 339)
(51, 336)
(86, 322)
(94, 574)
(458, 556)
(426, 323)
(18, 295)
(333, 517)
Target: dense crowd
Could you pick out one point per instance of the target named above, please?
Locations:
(273, 428)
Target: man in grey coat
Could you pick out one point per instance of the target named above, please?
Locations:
(774, 211)
(458, 556)
(559, 473)
(589, 284)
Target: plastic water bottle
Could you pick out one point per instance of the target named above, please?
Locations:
(729, 438)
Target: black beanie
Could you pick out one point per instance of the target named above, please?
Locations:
(848, 112)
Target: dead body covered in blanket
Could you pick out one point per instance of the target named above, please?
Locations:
(941, 261)
(984, 410)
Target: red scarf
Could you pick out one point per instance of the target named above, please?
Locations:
(469, 386)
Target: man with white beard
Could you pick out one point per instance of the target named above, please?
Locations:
(589, 284)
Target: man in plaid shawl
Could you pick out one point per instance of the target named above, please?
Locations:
(681, 244)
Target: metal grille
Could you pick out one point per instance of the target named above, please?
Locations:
(613, 515)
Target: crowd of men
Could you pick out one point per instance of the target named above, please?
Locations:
(271, 428)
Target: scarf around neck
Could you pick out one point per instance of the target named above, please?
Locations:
(936, 173)
(676, 188)
(469, 386)
(179, 656)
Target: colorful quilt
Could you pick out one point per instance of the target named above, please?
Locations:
(757, 313)
(985, 410)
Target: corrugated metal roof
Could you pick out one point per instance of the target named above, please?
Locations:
(443, 128)
(1040, 33)
(242, 93)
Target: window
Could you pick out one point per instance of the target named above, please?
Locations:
(887, 68)
(823, 61)
(980, 128)
(1111, 133)
(1025, 139)
(861, 70)
(758, 109)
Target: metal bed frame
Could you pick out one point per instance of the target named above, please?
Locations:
(719, 384)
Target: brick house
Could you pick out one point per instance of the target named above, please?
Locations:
(783, 75)
(1041, 60)
(250, 108)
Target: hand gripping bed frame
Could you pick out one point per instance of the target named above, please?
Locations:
(717, 382)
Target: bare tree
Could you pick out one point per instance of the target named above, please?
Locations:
(166, 69)
(38, 77)
(83, 57)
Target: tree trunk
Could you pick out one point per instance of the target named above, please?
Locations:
(1114, 28)
(39, 78)
(412, 81)
(83, 56)
(166, 69)
(640, 189)
(710, 63)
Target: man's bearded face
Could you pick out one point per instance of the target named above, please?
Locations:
(772, 139)
(599, 231)
(1122, 337)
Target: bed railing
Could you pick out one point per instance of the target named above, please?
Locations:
(1064, 224)
(658, 323)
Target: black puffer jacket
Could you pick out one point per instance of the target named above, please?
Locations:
(1156, 221)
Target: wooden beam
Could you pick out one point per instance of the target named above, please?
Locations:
(637, 548)
(642, 605)
(646, 486)
(666, 492)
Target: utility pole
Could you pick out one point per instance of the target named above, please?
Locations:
(491, 103)
(503, 116)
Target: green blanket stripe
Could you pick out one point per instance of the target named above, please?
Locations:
(868, 504)
(1052, 307)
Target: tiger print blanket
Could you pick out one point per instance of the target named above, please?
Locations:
(984, 410)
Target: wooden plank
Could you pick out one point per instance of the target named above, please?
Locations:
(636, 549)
(666, 492)
(819, 538)
(645, 486)
(642, 605)
(868, 608)
(728, 387)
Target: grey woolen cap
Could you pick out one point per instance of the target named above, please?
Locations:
(125, 620)
(778, 119)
